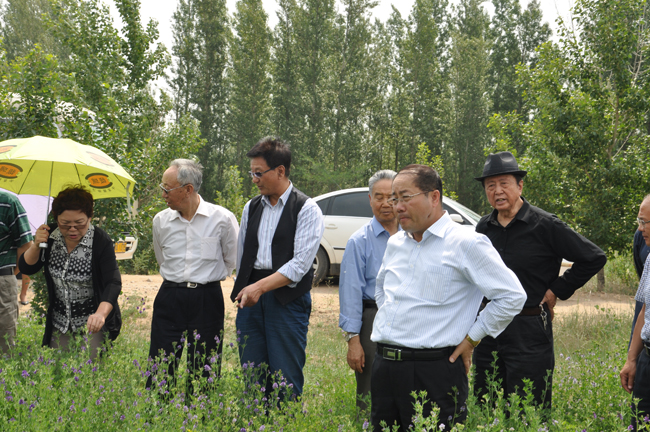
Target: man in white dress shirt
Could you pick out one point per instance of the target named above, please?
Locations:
(196, 247)
(429, 288)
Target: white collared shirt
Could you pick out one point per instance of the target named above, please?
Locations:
(201, 250)
(309, 230)
(429, 292)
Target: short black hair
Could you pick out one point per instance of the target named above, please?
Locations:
(426, 178)
(274, 151)
(518, 178)
(74, 197)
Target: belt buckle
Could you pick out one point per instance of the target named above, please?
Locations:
(192, 284)
(392, 354)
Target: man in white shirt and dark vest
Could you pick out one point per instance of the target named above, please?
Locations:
(429, 288)
(280, 234)
(196, 247)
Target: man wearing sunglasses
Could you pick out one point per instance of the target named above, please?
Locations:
(196, 247)
(281, 229)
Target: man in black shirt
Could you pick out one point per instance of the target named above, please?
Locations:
(532, 243)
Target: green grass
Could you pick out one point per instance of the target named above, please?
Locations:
(47, 390)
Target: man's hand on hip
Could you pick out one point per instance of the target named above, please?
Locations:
(550, 299)
(464, 350)
(356, 356)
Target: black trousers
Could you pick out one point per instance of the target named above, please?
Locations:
(641, 388)
(194, 315)
(394, 381)
(524, 350)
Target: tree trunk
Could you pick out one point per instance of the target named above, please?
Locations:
(600, 286)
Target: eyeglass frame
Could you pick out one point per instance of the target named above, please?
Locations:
(77, 227)
(395, 201)
(167, 191)
(641, 223)
(258, 174)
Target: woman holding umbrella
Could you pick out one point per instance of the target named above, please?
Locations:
(83, 280)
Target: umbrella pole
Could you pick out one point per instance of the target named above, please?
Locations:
(47, 207)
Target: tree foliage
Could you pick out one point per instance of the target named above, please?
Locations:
(588, 142)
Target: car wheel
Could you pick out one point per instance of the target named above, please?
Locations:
(321, 266)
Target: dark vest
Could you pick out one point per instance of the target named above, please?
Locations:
(281, 247)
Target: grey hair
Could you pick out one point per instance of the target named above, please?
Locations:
(189, 172)
(646, 198)
(380, 175)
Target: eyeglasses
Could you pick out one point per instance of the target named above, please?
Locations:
(69, 227)
(169, 190)
(259, 174)
(641, 222)
(406, 198)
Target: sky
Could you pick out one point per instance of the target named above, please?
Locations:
(162, 12)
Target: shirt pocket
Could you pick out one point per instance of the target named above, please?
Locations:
(209, 248)
(436, 287)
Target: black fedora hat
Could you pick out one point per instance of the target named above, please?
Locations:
(500, 163)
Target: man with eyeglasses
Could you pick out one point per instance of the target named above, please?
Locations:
(359, 266)
(281, 229)
(635, 375)
(433, 277)
(640, 252)
(195, 243)
(532, 243)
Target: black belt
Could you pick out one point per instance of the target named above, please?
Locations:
(534, 310)
(397, 353)
(646, 347)
(7, 271)
(168, 284)
(369, 304)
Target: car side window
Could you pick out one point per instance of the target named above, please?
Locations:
(323, 204)
(354, 204)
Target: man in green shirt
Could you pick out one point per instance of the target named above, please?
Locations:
(15, 238)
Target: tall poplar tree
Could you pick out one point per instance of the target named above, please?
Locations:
(470, 101)
(249, 107)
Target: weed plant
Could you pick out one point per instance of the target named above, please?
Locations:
(49, 390)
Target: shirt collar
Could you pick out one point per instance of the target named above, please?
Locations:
(439, 227)
(202, 209)
(378, 228)
(283, 198)
(523, 214)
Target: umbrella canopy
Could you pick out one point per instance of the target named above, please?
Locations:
(45, 166)
(36, 206)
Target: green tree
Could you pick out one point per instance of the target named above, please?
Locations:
(425, 63)
(588, 141)
(470, 103)
(23, 27)
(184, 53)
(249, 107)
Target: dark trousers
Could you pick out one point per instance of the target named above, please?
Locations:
(394, 381)
(369, 350)
(274, 336)
(524, 350)
(192, 314)
(641, 387)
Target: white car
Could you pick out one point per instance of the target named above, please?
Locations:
(347, 210)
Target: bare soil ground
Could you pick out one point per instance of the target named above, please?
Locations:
(325, 302)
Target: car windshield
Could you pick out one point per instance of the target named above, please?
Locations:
(467, 212)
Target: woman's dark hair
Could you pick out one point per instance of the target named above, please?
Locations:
(74, 197)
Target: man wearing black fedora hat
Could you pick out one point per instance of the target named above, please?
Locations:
(532, 243)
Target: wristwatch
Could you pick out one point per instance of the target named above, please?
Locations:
(349, 336)
(473, 342)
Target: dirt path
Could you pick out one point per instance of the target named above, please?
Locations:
(326, 304)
